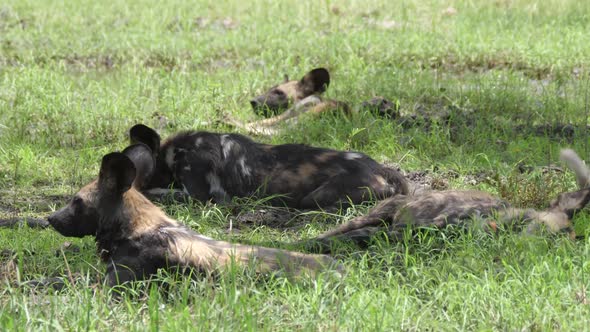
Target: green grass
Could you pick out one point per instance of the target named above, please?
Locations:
(75, 76)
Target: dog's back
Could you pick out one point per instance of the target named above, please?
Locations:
(221, 166)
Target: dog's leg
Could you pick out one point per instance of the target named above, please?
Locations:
(166, 194)
(303, 106)
(123, 269)
(360, 237)
(312, 104)
(207, 254)
(264, 127)
(251, 127)
(381, 214)
(344, 190)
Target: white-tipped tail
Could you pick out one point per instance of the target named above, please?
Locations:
(576, 164)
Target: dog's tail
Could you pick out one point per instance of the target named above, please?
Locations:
(361, 229)
(576, 164)
(381, 214)
(294, 264)
(192, 249)
(562, 209)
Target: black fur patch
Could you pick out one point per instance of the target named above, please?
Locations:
(221, 166)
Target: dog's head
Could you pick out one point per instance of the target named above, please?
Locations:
(571, 202)
(563, 208)
(282, 96)
(158, 175)
(102, 200)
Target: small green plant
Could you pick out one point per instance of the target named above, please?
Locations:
(533, 190)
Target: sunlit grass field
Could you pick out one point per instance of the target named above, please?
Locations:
(511, 79)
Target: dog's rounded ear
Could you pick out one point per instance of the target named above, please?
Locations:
(141, 133)
(117, 174)
(144, 162)
(316, 81)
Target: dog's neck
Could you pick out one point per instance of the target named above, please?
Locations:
(127, 219)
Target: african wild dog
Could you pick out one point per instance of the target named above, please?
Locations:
(289, 100)
(457, 207)
(282, 96)
(135, 238)
(221, 166)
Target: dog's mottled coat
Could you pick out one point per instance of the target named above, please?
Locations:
(289, 100)
(463, 207)
(216, 166)
(135, 238)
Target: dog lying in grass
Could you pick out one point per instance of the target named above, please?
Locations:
(289, 100)
(211, 166)
(461, 207)
(135, 238)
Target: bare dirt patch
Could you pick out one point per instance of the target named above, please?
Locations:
(453, 64)
(430, 114)
(19, 207)
(21, 221)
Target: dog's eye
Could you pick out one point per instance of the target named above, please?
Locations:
(278, 93)
(77, 200)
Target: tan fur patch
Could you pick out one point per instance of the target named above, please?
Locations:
(555, 221)
(326, 156)
(311, 104)
(330, 105)
(192, 252)
(307, 170)
(143, 215)
(291, 179)
(191, 249)
(88, 192)
(379, 182)
(291, 90)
